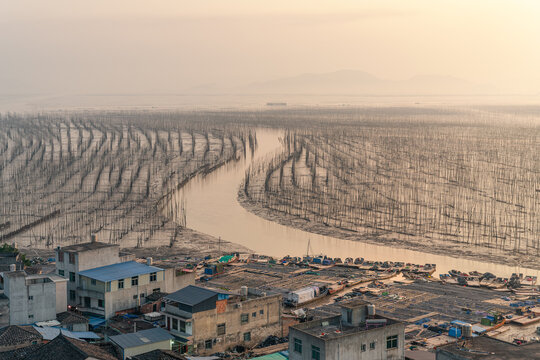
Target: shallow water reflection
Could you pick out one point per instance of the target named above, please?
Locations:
(212, 208)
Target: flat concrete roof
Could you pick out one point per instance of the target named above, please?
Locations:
(482, 347)
(333, 327)
(354, 304)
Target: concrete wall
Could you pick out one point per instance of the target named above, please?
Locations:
(61, 296)
(118, 299)
(84, 260)
(349, 346)
(17, 292)
(143, 280)
(34, 299)
(176, 280)
(259, 326)
(76, 327)
(307, 341)
(122, 299)
(286, 322)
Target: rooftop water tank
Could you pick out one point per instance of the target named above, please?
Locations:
(466, 330)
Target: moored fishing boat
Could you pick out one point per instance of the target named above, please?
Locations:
(305, 295)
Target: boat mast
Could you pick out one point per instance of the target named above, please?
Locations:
(308, 246)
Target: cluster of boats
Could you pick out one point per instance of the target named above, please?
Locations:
(488, 280)
(324, 262)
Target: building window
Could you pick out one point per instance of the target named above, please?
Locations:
(61, 272)
(30, 297)
(71, 258)
(60, 256)
(261, 312)
(254, 314)
(182, 326)
(135, 297)
(392, 342)
(372, 346)
(221, 329)
(71, 276)
(175, 323)
(30, 316)
(208, 344)
(349, 316)
(315, 352)
(121, 283)
(108, 288)
(72, 295)
(298, 345)
(142, 295)
(93, 281)
(244, 319)
(247, 336)
(363, 347)
(153, 277)
(100, 303)
(134, 281)
(156, 290)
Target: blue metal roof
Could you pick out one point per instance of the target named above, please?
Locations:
(119, 271)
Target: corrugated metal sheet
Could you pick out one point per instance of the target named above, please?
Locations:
(191, 295)
(119, 271)
(50, 333)
(140, 338)
(94, 321)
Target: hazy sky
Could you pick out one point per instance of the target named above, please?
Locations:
(111, 46)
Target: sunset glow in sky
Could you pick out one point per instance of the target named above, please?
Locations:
(172, 46)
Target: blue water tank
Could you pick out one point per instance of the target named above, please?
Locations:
(454, 332)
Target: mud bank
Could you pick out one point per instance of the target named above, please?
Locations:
(431, 246)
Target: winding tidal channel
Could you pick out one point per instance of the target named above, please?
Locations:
(212, 208)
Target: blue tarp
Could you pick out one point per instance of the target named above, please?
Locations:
(95, 322)
(478, 329)
(454, 332)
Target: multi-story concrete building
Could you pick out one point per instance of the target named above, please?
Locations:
(34, 298)
(106, 290)
(358, 333)
(71, 260)
(206, 321)
(123, 287)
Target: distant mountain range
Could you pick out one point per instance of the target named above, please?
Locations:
(352, 82)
